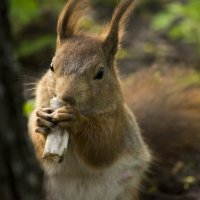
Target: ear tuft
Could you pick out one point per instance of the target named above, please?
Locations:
(70, 16)
(114, 31)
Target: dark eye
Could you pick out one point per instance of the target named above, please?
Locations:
(99, 74)
(51, 67)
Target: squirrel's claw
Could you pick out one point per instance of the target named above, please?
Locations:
(44, 122)
(65, 117)
(43, 130)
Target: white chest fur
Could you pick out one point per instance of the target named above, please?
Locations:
(70, 180)
(88, 188)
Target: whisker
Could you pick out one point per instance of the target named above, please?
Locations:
(30, 89)
(43, 83)
(25, 76)
(27, 84)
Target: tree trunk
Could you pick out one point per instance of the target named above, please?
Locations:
(21, 178)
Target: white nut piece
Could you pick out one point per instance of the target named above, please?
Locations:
(56, 141)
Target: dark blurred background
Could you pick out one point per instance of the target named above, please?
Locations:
(161, 34)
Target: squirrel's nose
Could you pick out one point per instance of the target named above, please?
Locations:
(69, 99)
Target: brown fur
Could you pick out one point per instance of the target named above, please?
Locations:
(38, 139)
(114, 31)
(167, 110)
(69, 18)
(102, 142)
(104, 136)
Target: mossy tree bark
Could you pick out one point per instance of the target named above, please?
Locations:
(21, 178)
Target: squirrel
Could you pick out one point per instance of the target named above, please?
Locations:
(107, 156)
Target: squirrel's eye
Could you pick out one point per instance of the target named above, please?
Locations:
(51, 67)
(99, 74)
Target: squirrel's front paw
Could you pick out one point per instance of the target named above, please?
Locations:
(66, 117)
(44, 122)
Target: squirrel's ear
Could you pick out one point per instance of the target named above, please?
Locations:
(68, 20)
(113, 32)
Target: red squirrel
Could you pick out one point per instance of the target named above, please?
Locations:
(107, 156)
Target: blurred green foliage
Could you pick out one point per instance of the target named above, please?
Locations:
(123, 53)
(25, 13)
(89, 24)
(187, 79)
(29, 47)
(192, 78)
(181, 21)
(29, 107)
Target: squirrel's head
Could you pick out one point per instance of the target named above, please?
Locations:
(83, 68)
